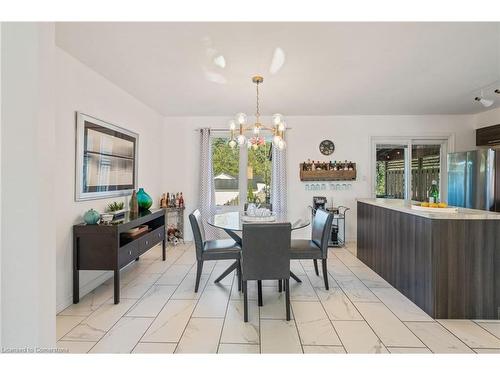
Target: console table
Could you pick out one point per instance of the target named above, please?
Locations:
(106, 247)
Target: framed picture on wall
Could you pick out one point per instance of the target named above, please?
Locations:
(106, 159)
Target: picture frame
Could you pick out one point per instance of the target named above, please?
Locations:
(106, 161)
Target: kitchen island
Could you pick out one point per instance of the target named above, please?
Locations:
(446, 263)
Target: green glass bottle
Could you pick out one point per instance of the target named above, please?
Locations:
(434, 193)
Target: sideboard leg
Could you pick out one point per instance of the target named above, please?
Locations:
(76, 275)
(117, 286)
(76, 286)
(164, 249)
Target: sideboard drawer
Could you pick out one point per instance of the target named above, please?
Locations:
(151, 239)
(128, 253)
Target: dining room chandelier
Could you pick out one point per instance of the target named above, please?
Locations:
(277, 128)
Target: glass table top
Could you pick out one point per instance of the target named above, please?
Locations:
(233, 221)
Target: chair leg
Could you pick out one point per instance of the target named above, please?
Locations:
(199, 268)
(280, 285)
(325, 273)
(245, 302)
(259, 291)
(287, 298)
(316, 267)
(238, 271)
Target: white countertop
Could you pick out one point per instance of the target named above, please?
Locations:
(405, 206)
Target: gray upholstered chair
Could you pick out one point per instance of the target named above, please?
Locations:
(265, 255)
(317, 247)
(212, 249)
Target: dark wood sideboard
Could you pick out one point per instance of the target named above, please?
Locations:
(106, 247)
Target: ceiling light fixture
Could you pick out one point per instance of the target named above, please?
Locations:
(483, 101)
(277, 128)
(497, 91)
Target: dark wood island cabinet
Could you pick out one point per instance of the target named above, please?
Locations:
(107, 247)
(446, 263)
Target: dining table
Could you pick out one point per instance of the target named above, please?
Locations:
(232, 223)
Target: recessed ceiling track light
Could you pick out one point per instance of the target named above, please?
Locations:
(497, 91)
(483, 101)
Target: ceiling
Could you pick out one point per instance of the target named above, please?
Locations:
(308, 68)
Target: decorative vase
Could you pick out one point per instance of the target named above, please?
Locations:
(134, 206)
(144, 200)
(91, 216)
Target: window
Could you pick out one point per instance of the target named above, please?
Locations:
(226, 169)
(241, 174)
(406, 168)
(259, 174)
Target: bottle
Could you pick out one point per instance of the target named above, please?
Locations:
(134, 205)
(345, 165)
(181, 201)
(177, 200)
(162, 201)
(434, 193)
(167, 201)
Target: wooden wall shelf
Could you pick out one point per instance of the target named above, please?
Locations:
(328, 175)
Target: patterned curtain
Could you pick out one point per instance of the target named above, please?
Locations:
(207, 188)
(279, 181)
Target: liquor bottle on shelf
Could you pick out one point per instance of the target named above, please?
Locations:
(177, 200)
(350, 166)
(162, 201)
(345, 165)
(181, 201)
(330, 166)
(166, 201)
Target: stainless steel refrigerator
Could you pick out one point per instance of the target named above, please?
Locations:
(472, 179)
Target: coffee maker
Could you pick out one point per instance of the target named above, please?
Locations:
(319, 203)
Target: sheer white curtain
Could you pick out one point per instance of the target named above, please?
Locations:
(207, 188)
(279, 181)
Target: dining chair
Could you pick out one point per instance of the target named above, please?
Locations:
(211, 249)
(317, 247)
(265, 255)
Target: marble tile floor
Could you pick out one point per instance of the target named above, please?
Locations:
(160, 313)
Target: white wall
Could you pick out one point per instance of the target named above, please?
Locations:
(28, 164)
(81, 89)
(0, 184)
(351, 135)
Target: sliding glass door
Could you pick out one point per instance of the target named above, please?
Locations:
(391, 171)
(405, 169)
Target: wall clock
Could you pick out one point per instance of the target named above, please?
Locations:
(326, 147)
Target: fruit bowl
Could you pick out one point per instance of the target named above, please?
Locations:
(434, 207)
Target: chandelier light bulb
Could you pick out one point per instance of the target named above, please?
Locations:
(241, 118)
(232, 143)
(282, 126)
(256, 130)
(232, 125)
(277, 118)
(281, 144)
(241, 139)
